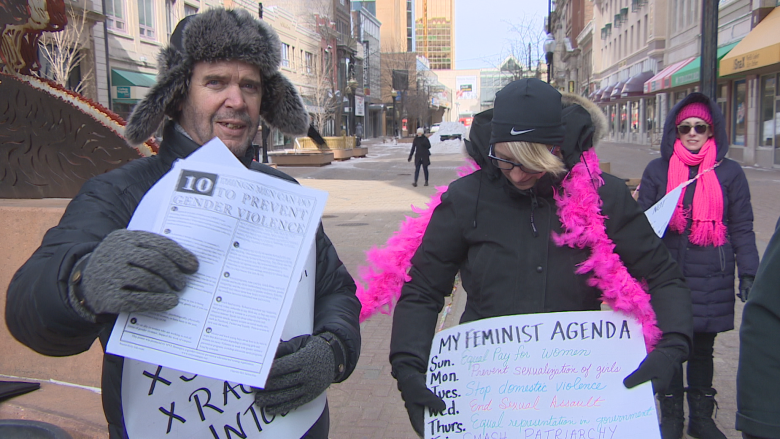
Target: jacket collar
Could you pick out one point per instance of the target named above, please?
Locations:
(176, 145)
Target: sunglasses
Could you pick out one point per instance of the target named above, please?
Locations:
(700, 128)
(507, 165)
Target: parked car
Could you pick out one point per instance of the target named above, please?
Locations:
(444, 137)
(434, 128)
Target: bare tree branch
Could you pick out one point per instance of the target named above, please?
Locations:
(525, 45)
(324, 94)
(64, 50)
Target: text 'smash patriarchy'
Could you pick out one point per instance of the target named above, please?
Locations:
(540, 376)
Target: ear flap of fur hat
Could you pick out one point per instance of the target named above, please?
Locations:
(282, 107)
(215, 35)
(164, 97)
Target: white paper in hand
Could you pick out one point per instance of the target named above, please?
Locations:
(660, 213)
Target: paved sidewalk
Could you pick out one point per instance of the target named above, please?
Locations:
(369, 198)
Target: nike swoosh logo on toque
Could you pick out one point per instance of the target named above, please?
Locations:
(517, 133)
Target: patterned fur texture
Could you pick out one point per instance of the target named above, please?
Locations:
(219, 34)
(597, 116)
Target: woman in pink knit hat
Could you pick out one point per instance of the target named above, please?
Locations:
(710, 234)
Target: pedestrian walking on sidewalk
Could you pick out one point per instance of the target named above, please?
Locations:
(421, 150)
(218, 77)
(358, 134)
(516, 231)
(710, 232)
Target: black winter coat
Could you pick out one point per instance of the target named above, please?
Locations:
(758, 377)
(421, 150)
(709, 271)
(39, 315)
(499, 238)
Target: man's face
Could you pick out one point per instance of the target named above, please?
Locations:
(223, 101)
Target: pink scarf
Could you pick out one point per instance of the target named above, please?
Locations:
(579, 207)
(707, 227)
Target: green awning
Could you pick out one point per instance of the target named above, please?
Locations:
(690, 73)
(132, 79)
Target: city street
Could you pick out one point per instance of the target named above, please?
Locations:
(368, 199)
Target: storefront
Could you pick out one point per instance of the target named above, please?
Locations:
(660, 85)
(639, 109)
(753, 69)
(127, 89)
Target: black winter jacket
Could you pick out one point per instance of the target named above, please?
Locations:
(709, 271)
(39, 315)
(499, 238)
(758, 376)
(421, 150)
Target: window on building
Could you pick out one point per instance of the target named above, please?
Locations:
(168, 19)
(309, 58)
(647, 23)
(190, 10)
(722, 99)
(740, 113)
(146, 19)
(115, 15)
(766, 121)
(409, 27)
(285, 55)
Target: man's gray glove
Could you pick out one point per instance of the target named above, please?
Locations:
(661, 364)
(304, 367)
(417, 397)
(131, 271)
(745, 284)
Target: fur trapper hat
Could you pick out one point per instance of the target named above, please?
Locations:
(214, 35)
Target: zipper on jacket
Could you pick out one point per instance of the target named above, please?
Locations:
(722, 258)
(534, 205)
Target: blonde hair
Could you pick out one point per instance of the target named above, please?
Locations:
(536, 156)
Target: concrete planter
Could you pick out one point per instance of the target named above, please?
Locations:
(341, 154)
(359, 151)
(294, 158)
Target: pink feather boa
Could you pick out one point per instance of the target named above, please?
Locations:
(580, 205)
(579, 209)
(388, 266)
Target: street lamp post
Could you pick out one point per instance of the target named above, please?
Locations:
(351, 89)
(549, 49)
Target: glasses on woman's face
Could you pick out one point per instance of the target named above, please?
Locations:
(700, 128)
(507, 165)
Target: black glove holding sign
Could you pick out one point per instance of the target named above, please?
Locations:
(661, 364)
(417, 397)
(304, 367)
(130, 271)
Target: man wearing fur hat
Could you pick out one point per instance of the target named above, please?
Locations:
(218, 77)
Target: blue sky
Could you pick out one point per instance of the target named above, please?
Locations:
(482, 29)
